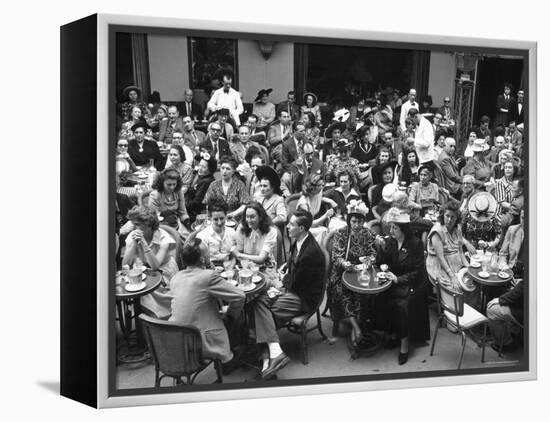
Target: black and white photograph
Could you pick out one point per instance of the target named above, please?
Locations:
(307, 210)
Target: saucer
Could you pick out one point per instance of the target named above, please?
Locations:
(135, 287)
(256, 279)
(475, 264)
(483, 274)
(503, 274)
(247, 287)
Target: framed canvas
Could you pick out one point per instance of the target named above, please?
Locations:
(160, 60)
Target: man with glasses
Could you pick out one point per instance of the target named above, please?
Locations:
(449, 167)
(191, 137)
(446, 111)
(167, 127)
(142, 150)
(227, 97)
(214, 144)
(394, 144)
(300, 169)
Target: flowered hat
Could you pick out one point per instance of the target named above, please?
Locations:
(358, 208)
(395, 215)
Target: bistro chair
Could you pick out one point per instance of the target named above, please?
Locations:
(176, 350)
(329, 239)
(298, 324)
(460, 316)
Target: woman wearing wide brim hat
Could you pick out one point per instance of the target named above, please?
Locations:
(482, 207)
(340, 126)
(261, 94)
(270, 194)
(132, 95)
(264, 109)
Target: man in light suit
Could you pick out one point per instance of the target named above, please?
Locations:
(279, 132)
(167, 127)
(303, 288)
(191, 137)
(197, 293)
(449, 168)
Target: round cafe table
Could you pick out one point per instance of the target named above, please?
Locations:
(373, 342)
(136, 351)
(494, 280)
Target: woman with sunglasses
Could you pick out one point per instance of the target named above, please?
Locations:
(123, 161)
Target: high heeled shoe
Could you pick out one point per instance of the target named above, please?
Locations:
(403, 358)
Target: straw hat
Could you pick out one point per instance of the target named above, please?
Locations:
(388, 191)
(482, 206)
(127, 90)
(479, 145)
(313, 95)
(465, 280)
(395, 215)
(341, 115)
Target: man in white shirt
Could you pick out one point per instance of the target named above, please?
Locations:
(407, 105)
(227, 97)
(423, 137)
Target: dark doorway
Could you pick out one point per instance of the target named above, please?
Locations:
(493, 73)
(124, 64)
(339, 74)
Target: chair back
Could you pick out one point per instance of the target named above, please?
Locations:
(291, 202)
(369, 194)
(176, 348)
(450, 301)
(179, 242)
(327, 247)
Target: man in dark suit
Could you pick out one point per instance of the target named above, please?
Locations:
(214, 144)
(303, 288)
(504, 101)
(516, 108)
(167, 127)
(292, 146)
(190, 108)
(290, 106)
(300, 169)
(446, 111)
(395, 145)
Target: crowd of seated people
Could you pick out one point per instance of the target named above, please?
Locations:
(279, 173)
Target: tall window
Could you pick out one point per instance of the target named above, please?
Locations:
(210, 58)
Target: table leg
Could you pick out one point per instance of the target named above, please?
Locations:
(135, 352)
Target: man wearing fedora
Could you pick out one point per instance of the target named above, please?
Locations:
(167, 126)
(279, 132)
(264, 109)
(227, 97)
(408, 105)
(290, 106)
(214, 144)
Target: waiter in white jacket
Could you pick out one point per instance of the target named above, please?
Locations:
(227, 97)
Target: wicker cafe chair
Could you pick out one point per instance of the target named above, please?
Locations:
(459, 315)
(298, 324)
(176, 350)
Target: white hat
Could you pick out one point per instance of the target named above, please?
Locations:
(465, 280)
(479, 145)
